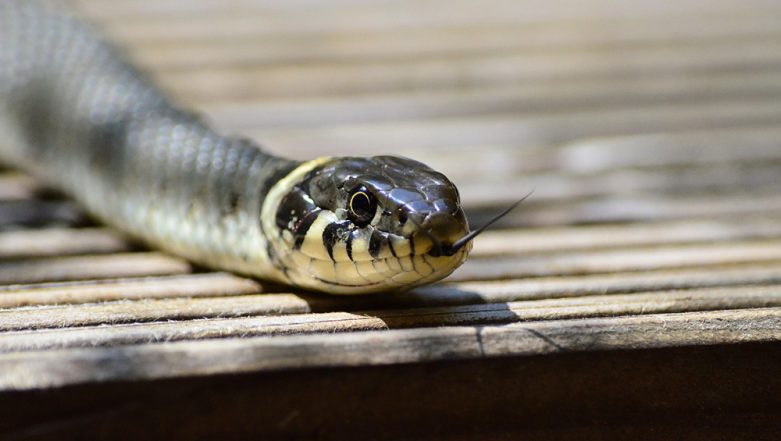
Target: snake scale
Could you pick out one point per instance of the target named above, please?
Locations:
(75, 113)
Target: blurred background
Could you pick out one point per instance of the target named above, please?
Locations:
(611, 111)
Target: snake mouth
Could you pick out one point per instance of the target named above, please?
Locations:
(440, 232)
(428, 245)
(444, 248)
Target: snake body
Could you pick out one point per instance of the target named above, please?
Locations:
(74, 112)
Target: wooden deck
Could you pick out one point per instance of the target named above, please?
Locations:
(635, 295)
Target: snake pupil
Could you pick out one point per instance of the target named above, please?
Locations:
(362, 207)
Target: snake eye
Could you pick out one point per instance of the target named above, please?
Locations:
(362, 207)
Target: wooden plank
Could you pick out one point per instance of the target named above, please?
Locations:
(373, 45)
(579, 94)
(712, 179)
(590, 237)
(227, 23)
(176, 8)
(522, 130)
(450, 294)
(619, 260)
(669, 149)
(59, 242)
(88, 267)
(466, 293)
(33, 370)
(150, 310)
(466, 71)
(563, 10)
(189, 286)
(81, 330)
(625, 208)
(604, 154)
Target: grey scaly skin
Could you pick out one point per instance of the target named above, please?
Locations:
(75, 113)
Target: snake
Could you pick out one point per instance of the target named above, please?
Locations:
(77, 114)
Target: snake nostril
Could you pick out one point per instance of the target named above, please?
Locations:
(442, 230)
(402, 218)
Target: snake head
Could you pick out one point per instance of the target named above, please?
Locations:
(358, 225)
